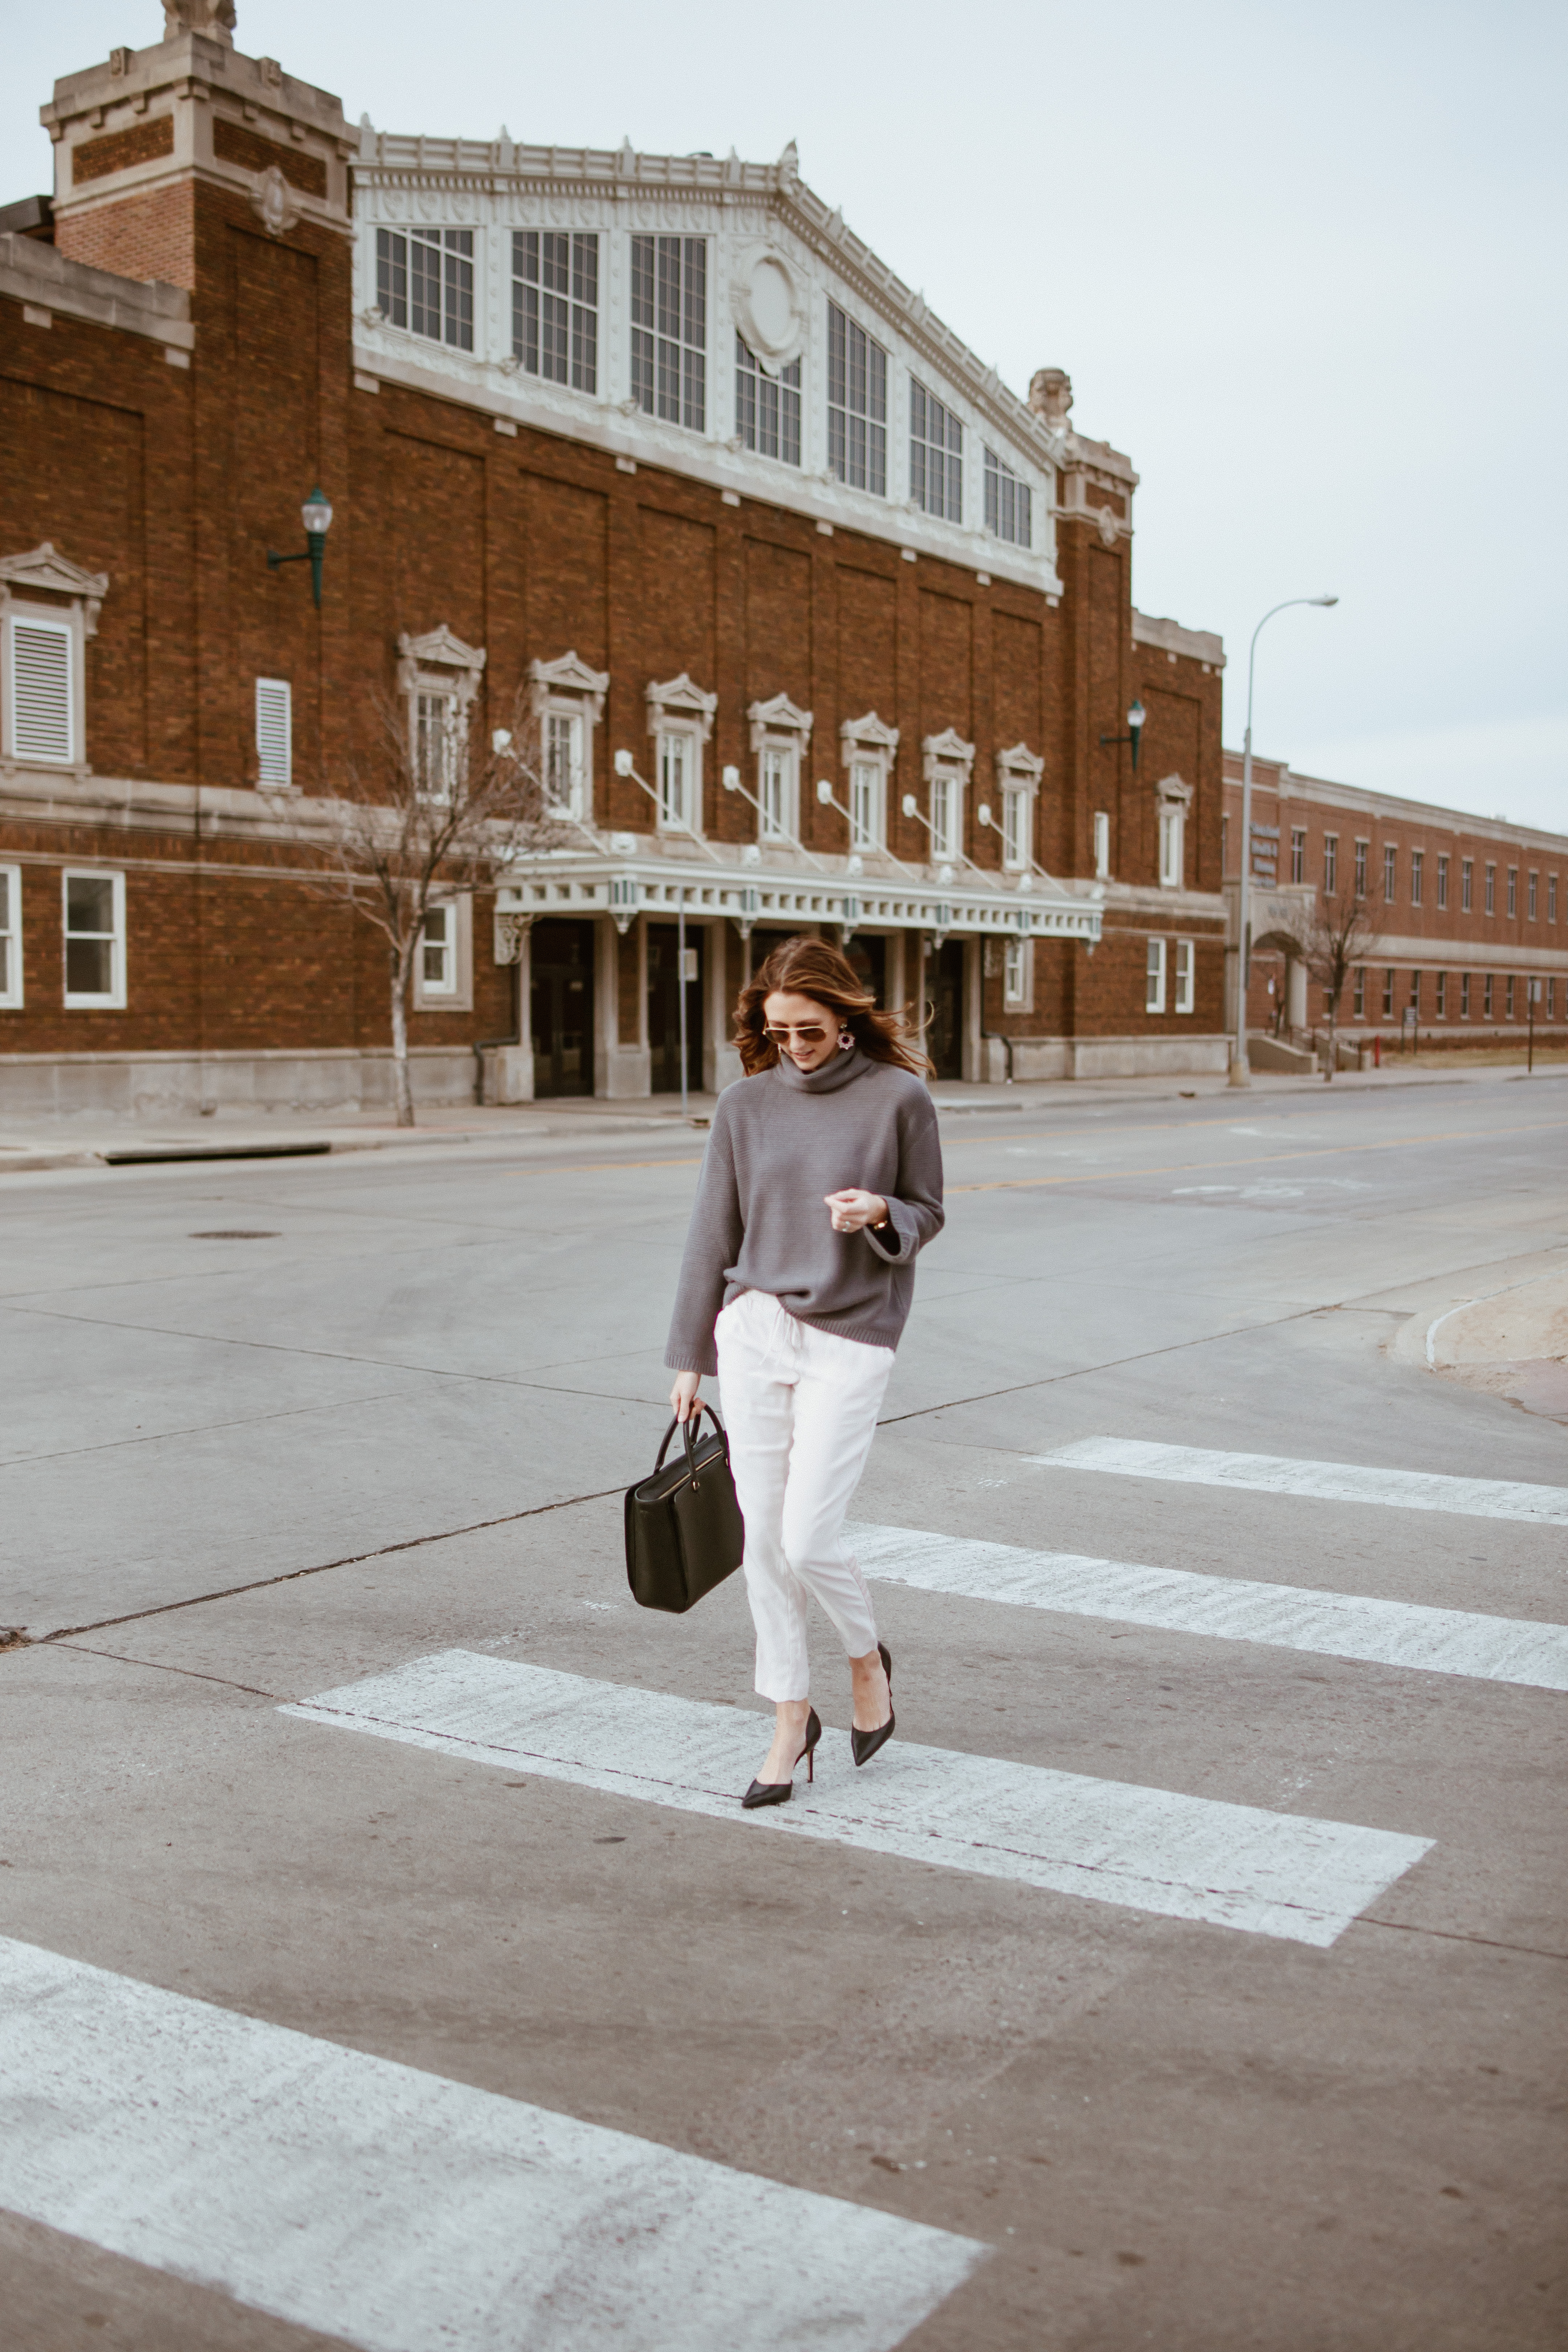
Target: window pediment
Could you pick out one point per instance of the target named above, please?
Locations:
(677, 698)
(568, 675)
(438, 650)
(868, 734)
(1019, 769)
(1171, 790)
(779, 717)
(946, 751)
(44, 571)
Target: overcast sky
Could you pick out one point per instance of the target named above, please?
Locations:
(1304, 264)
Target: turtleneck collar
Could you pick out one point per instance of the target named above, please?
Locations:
(837, 1072)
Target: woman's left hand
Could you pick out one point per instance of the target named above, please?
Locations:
(853, 1210)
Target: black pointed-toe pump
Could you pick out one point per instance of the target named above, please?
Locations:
(863, 1745)
(778, 1792)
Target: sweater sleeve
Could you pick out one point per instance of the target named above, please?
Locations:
(915, 1212)
(713, 1243)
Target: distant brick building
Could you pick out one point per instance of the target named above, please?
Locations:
(1470, 911)
(654, 439)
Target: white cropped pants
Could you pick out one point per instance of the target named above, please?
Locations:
(800, 1408)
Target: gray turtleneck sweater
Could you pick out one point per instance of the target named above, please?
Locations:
(779, 1141)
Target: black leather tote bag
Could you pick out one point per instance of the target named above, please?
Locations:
(684, 1530)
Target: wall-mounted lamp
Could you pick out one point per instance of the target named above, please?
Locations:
(316, 514)
(1136, 715)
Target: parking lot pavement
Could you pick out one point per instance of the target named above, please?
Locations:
(388, 1961)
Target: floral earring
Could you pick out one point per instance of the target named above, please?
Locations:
(846, 1042)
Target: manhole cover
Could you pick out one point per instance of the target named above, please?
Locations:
(237, 1234)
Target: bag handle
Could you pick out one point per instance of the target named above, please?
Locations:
(688, 1426)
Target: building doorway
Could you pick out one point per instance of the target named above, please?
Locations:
(868, 952)
(664, 985)
(944, 990)
(560, 999)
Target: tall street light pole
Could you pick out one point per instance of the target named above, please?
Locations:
(1240, 1074)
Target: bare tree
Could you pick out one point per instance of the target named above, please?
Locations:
(1340, 935)
(424, 819)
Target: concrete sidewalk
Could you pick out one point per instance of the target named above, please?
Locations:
(92, 1140)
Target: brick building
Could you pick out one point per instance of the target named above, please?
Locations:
(822, 626)
(1470, 911)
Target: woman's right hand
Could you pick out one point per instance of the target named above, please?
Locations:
(683, 1395)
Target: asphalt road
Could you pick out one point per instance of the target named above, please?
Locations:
(1189, 1971)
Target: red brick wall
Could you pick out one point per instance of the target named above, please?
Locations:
(147, 235)
(178, 481)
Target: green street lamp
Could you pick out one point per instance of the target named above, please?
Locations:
(316, 514)
(1136, 715)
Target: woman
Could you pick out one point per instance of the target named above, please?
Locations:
(822, 1181)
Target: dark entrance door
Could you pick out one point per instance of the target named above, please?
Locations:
(664, 1006)
(561, 1000)
(869, 957)
(944, 987)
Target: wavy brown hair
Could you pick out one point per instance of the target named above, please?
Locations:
(812, 968)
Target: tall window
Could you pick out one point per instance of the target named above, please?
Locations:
(1361, 850)
(555, 306)
(1491, 890)
(1510, 984)
(1184, 972)
(857, 406)
(1018, 974)
(1101, 844)
(1017, 828)
(1009, 503)
(1172, 845)
(1464, 996)
(1417, 875)
(439, 743)
(1331, 863)
(425, 281)
(1442, 882)
(1442, 996)
(1487, 998)
(677, 767)
(946, 791)
(777, 795)
(564, 766)
(1415, 993)
(94, 941)
(669, 328)
(1389, 872)
(767, 408)
(936, 454)
(1552, 897)
(866, 816)
(439, 952)
(1513, 890)
(1532, 898)
(1358, 1000)
(1155, 977)
(10, 936)
(274, 731)
(1388, 995)
(40, 704)
(1297, 853)
(1467, 885)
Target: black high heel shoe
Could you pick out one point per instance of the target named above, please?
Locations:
(778, 1792)
(863, 1745)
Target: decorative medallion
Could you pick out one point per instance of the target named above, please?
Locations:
(770, 307)
(272, 202)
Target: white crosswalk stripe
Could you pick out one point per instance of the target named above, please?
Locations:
(401, 2212)
(1151, 1849)
(1334, 1482)
(1224, 1607)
